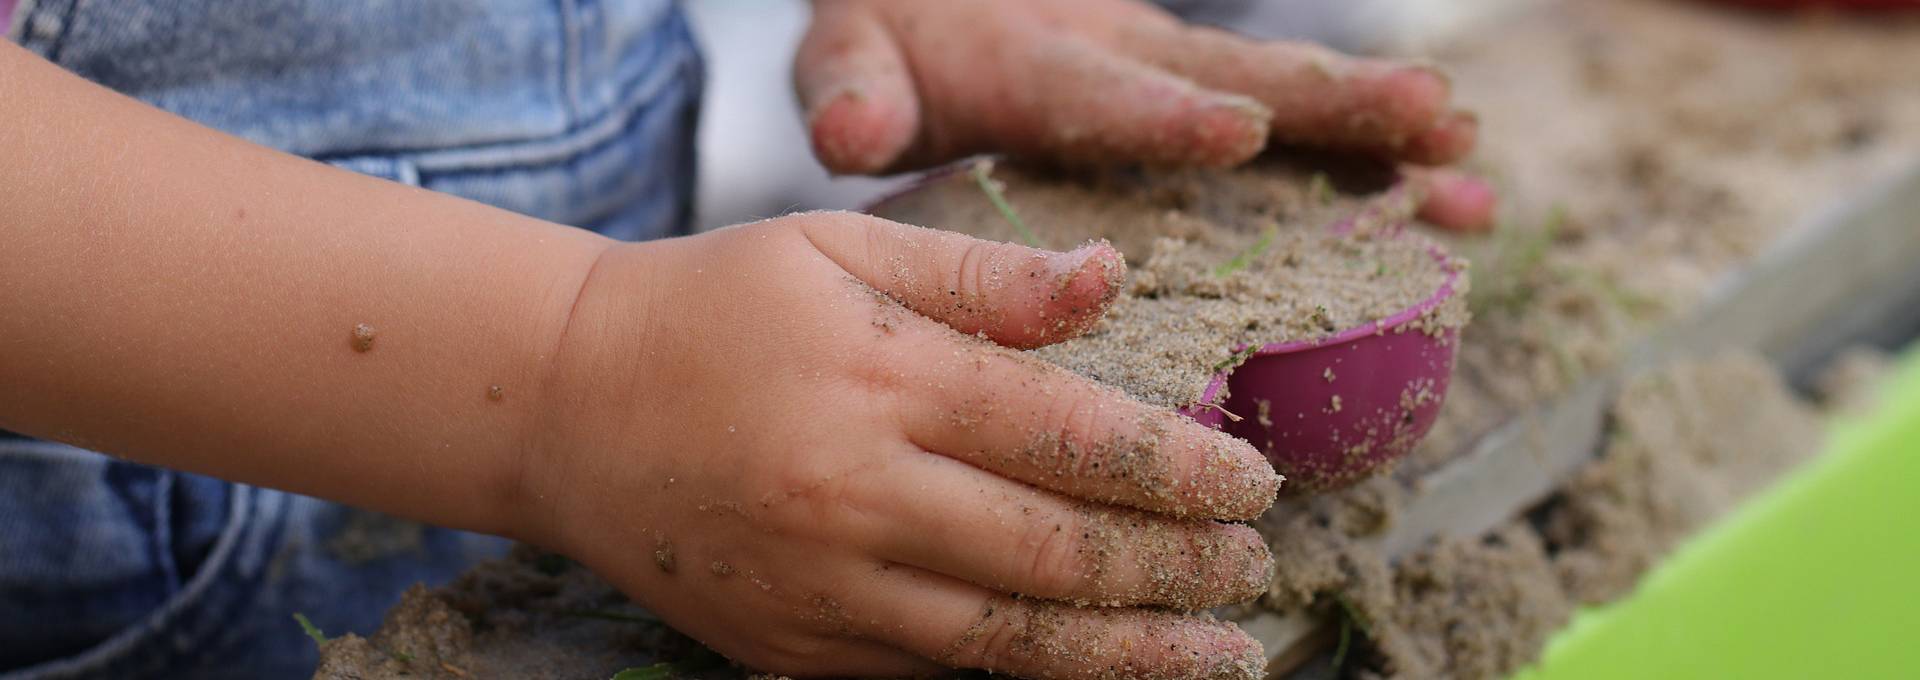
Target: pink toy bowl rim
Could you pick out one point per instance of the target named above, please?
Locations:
(1211, 396)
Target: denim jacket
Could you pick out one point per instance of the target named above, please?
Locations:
(576, 111)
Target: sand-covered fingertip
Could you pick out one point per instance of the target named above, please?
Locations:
(1134, 558)
(1213, 650)
(1168, 463)
(1216, 475)
(1073, 292)
(1222, 132)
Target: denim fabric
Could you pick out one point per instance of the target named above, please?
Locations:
(115, 570)
(576, 111)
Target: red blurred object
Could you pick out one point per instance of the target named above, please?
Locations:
(1827, 4)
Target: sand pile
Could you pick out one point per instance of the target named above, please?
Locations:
(1687, 444)
(1220, 260)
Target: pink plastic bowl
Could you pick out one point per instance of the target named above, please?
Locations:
(1388, 380)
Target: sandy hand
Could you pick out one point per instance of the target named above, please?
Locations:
(898, 85)
(806, 443)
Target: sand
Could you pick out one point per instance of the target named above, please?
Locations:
(530, 615)
(1686, 444)
(1644, 148)
(1220, 260)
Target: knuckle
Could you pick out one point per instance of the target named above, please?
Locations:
(884, 367)
(972, 271)
(1068, 447)
(1055, 564)
(998, 635)
(1016, 636)
(963, 299)
(807, 492)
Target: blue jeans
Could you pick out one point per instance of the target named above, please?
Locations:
(576, 111)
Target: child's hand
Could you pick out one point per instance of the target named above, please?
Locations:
(743, 429)
(897, 85)
(753, 436)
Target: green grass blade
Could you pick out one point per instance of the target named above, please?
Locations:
(659, 671)
(312, 631)
(983, 176)
(1237, 358)
(1246, 257)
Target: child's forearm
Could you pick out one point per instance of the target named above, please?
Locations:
(180, 297)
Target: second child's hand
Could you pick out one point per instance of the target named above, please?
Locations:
(890, 86)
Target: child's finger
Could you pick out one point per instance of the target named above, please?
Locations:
(1015, 295)
(952, 518)
(1454, 200)
(1042, 425)
(857, 91)
(1449, 140)
(1090, 105)
(1318, 97)
(1023, 419)
(967, 626)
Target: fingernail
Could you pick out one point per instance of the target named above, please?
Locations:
(1062, 266)
(1259, 562)
(1249, 107)
(1463, 128)
(1110, 270)
(1232, 129)
(1238, 659)
(845, 95)
(848, 134)
(1446, 79)
(1229, 653)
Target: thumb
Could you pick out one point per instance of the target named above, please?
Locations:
(854, 84)
(1014, 295)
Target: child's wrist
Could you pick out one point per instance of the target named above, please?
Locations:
(591, 380)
